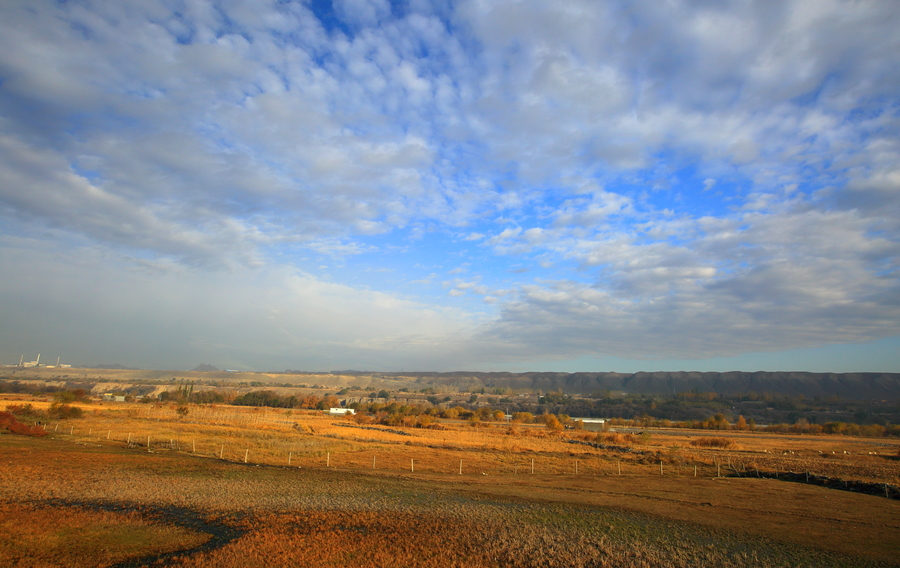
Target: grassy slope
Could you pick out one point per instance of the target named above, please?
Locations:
(315, 516)
(35, 535)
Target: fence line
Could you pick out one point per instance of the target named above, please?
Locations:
(488, 463)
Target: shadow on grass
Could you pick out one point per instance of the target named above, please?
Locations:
(220, 532)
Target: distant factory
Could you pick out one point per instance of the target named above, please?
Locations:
(37, 363)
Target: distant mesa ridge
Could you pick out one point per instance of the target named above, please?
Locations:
(848, 386)
(858, 386)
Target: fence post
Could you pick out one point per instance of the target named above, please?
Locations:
(246, 454)
(221, 451)
(460, 467)
(289, 459)
(532, 465)
(412, 465)
(619, 465)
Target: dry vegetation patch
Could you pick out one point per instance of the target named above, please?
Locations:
(46, 535)
(714, 442)
(613, 499)
(514, 536)
(317, 516)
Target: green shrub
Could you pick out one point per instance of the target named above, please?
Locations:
(64, 411)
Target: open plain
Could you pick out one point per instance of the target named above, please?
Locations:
(142, 484)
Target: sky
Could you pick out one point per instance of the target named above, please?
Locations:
(471, 185)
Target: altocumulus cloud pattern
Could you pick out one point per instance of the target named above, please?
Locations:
(445, 185)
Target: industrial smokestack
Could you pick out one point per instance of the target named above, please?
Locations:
(21, 359)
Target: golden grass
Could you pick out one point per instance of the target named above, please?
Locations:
(37, 536)
(403, 540)
(379, 496)
(318, 516)
(617, 439)
(310, 439)
(714, 442)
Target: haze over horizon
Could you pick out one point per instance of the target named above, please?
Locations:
(436, 186)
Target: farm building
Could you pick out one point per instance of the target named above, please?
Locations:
(340, 411)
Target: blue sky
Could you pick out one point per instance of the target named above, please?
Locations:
(613, 186)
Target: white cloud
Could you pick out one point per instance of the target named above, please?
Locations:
(38, 183)
(362, 12)
(209, 141)
(470, 286)
(760, 282)
(591, 212)
(428, 280)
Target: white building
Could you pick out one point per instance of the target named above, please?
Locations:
(341, 411)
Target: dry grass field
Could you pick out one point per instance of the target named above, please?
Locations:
(318, 490)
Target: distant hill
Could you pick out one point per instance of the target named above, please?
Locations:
(858, 386)
(847, 386)
(109, 366)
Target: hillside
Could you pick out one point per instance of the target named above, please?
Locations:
(861, 386)
(848, 386)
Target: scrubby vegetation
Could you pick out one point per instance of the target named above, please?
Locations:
(10, 423)
(298, 487)
(616, 439)
(709, 410)
(56, 410)
(713, 442)
(131, 504)
(751, 411)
